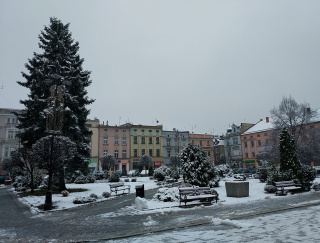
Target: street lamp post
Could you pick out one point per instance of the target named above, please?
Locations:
(54, 123)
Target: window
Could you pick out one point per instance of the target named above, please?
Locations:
(208, 143)
(124, 141)
(192, 141)
(258, 135)
(6, 151)
(8, 120)
(245, 144)
(124, 153)
(252, 144)
(259, 142)
(158, 152)
(116, 140)
(143, 152)
(150, 140)
(135, 152)
(143, 139)
(150, 152)
(200, 142)
(267, 141)
(135, 139)
(11, 134)
(169, 152)
(217, 150)
(105, 152)
(168, 142)
(157, 140)
(105, 140)
(116, 153)
(253, 155)
(235, 140)
(247, 156)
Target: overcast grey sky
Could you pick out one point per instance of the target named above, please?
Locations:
(192, 65)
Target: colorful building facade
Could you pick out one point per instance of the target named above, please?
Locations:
(145, 140)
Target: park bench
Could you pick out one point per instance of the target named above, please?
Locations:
(120, 186)
(283, 186)
(188, 194)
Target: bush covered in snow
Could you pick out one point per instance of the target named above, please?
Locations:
(82, 200)
(65, 193)
(24, 180)
(308, 174)
(224, 170)
(270, 188)
(93, 195)
(167, 194)
(195, 165)
(161, 172)
(106, 194)
(115, 177)
(101, 175)
(82, 179)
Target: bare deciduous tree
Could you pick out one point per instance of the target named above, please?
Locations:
(297, 119)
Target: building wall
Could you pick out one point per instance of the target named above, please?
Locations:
(146, 140)
(205, 141)
(255, 142)
(173, 142)
(93, 126)
(115, 140)
(8, 131)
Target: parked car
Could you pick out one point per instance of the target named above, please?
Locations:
(133, 173)
(3, 178)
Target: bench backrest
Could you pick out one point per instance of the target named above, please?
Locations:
(194, 190)
(118, 184)
(284, 183)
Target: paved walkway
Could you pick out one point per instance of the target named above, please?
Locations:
(106, 220)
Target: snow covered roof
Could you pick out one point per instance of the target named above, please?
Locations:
(262, 125)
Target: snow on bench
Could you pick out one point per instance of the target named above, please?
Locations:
(288, 185)
(188, 194)
(120, 186)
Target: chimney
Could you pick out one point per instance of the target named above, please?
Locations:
(267, 119)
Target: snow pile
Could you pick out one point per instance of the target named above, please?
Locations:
(149, 222)
(237, 224)
(141, 203)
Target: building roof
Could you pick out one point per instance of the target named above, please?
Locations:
(260, 126)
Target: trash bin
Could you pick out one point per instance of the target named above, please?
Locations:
(140, 190)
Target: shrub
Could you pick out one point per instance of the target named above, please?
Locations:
(106, 194)
(308, 174)
(134, 180)
(101, 175)
(115, 177)
(95, 196)
(270, 188)
(224, 170)
(80, 180)
(161, 172)
(65, 193)
(82, 200)
(167, 194)
(126, 180)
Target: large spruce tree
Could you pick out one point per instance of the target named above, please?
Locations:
(289, 160)
(60, 62)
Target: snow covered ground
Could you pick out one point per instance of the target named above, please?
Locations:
(256, 192)
(288, 226)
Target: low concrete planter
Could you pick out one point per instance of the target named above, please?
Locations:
(237, 188)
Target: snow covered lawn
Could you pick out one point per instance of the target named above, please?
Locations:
(256, 192)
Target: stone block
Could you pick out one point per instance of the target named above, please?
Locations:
(237, 188)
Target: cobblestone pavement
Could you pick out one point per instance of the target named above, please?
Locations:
(84, 223)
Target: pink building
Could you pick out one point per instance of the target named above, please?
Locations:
(115, 140)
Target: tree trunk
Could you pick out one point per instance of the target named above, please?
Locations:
(48, 202)
(32, 182)
(62, 184)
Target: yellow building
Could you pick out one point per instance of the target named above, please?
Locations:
(146, 140)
